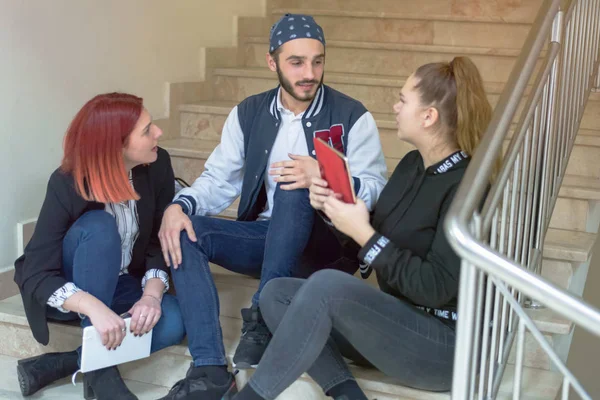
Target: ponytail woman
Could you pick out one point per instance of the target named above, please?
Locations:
(406, 327)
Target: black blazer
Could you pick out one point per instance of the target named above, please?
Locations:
(38, 272)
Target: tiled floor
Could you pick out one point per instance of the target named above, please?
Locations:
(62, 390)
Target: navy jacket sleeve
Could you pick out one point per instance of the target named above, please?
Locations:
(431, 281)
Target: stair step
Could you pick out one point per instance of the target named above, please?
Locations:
(394, 58)
(167, 366)
(442, 10)
(409, 30)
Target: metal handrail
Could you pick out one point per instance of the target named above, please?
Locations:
(503, 239)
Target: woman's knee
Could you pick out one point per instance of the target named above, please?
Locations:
(97, 225)
(276, 296)
(327, 282)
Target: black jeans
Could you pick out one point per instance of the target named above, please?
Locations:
(333, 314)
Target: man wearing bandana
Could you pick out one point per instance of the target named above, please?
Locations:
(266, 157)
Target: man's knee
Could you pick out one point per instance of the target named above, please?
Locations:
(202, 228)
(297, 197)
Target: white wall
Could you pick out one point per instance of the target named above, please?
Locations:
(55, 55)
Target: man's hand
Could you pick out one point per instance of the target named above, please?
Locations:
(299, 170)
(173, 222)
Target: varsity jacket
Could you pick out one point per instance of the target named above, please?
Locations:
(410, 253)
(238, 165)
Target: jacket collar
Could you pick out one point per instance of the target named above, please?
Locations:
(312, 111)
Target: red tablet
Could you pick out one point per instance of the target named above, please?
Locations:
(335, 170)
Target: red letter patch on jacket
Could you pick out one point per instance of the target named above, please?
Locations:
(333, 136)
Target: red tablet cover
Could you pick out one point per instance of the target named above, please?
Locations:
(335, 170)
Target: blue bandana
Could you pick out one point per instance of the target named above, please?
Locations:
(294, 26)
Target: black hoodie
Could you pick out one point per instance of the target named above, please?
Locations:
(410, 253)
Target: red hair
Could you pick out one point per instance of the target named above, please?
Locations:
(93, 147)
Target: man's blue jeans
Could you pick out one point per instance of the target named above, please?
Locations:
(92, 260)
(265, 249)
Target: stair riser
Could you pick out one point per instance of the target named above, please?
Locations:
(376, 98)
(502, 9)
(535, 357)
(17, 340)
(389, 62)
(572, 214)
(202, 126)
(584, 161)
(411, 31)
(591, 116)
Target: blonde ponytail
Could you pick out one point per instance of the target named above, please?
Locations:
(473, 110)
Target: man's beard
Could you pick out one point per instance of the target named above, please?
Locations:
(289, 88)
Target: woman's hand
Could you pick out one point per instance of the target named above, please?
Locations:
(145, 314)
(318, 193)
(350, 219)
(110, 326)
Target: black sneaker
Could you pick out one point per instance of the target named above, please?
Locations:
(200, 387)
(254, 341)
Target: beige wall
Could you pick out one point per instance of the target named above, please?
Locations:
(55, 55)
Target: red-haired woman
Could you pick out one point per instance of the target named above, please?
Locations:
(95, 252)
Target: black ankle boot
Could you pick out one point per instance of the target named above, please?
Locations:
(106, 384)
(38, 372)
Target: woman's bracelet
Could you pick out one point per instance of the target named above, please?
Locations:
(154, 297)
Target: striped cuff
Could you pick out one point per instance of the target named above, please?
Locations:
(187, 203)
(156, 273)
(59, 297)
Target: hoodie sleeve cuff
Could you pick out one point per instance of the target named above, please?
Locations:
(373, 248)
